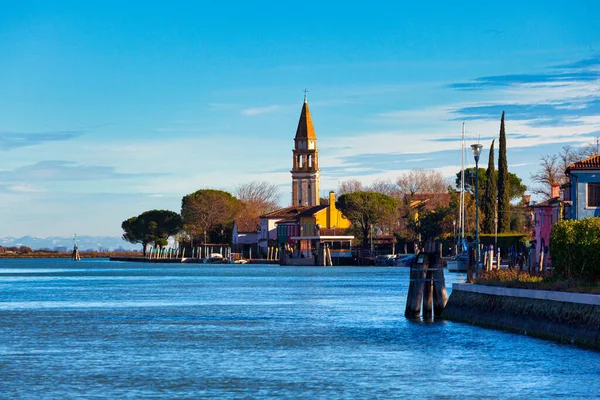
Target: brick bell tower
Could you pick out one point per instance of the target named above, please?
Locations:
(306, 184)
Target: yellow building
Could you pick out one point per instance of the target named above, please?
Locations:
(327, 217)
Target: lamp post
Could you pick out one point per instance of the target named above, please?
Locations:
(476, 148)
(454, 234)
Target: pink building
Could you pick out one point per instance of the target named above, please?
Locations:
(545, 214)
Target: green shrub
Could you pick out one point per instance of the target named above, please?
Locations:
(575, 248)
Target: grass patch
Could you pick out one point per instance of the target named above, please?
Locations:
(523, 280)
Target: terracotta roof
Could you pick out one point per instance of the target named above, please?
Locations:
(245, 225)
(305, 130)
(312, 210)
(287, 212)
(546, 203)
(293, 214)
(589, 163)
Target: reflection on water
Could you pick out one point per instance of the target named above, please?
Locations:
(111, 330)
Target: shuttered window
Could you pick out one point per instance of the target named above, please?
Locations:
(593, 199)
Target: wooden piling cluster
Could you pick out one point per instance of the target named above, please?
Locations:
(427, 286)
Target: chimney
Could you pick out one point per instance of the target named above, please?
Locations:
(331, 210)
(555, 191)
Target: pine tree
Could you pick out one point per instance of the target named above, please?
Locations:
(488, 206)
(503, 185)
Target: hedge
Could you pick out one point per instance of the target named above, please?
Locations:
(505, 241)
(575, 248)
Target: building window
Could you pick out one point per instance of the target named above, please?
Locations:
(593, 194)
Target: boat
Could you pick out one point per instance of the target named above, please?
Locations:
(457, 263)
(215, 258)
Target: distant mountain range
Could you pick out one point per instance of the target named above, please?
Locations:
(96, 243)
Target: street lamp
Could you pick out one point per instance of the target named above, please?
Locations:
(454, 234)
(476, 148)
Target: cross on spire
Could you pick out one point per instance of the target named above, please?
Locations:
(305, 91)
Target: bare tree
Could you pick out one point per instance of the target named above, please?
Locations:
(350, 186)
(259, 197)
(421, 181)
(384, 187)
(552, 168)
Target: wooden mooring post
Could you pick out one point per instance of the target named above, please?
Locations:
(427, 285)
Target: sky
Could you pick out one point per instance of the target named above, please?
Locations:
(111, 108)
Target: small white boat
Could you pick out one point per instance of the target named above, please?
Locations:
(457, 264)
(215, 258)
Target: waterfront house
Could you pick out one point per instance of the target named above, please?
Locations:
(582, 192)
(245, 236)
(268, 226)
(545, 214)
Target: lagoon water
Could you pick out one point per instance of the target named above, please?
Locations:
(97, 329)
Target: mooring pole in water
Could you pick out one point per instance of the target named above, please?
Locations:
(427, 287)
(440, 296)
(428, 292)
(416, 287)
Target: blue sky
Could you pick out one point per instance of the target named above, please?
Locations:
(110, 109)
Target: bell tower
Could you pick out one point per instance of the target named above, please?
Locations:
(305, 171)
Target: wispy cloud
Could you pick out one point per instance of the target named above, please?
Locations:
(557, 111)
(553, 107)
(13, 140)
(579, 71)
(24, 188)
(46, 171)
(251, 112)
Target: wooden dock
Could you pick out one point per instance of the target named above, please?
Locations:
(187, 260)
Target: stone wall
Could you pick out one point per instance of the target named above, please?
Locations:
(532, 312)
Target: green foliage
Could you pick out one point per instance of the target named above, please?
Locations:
(505, 240)
(153, 226)
(490, 196)
(206, 212)
(509, 278)
(430, 223)
(575, 248)
(516, 187)
(519, 221)
(503, 183)
(514, 278)
(366, 209)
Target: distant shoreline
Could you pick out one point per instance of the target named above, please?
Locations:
(49, 254)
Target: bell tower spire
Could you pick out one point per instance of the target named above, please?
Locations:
(305, 171)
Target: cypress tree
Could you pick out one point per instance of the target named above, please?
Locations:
(488, 205)
(503, 184)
